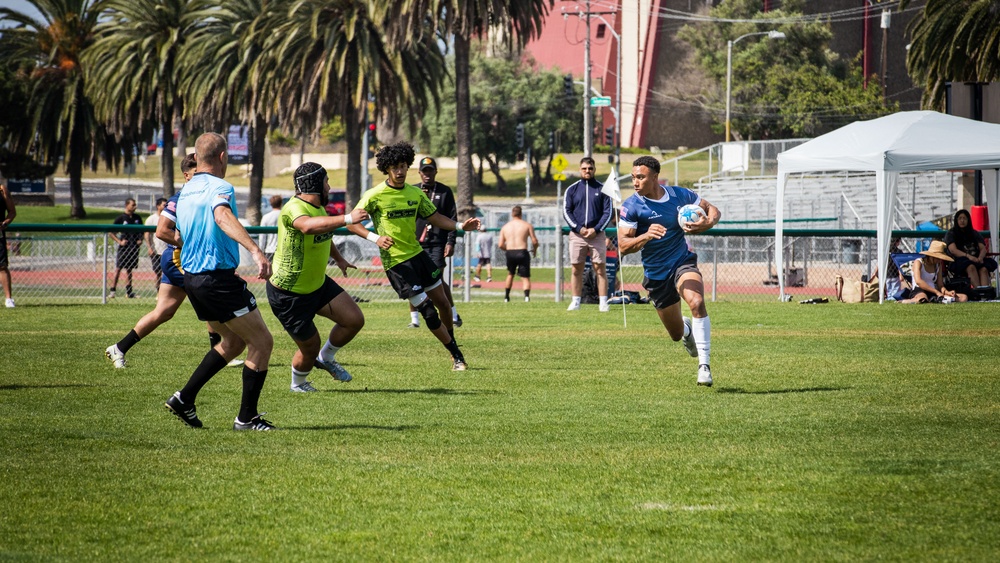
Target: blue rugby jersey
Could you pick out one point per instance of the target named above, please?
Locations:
(206, 246)
(659, 257)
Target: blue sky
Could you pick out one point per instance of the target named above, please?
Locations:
(20, 6)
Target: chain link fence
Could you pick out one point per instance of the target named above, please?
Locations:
(72, 264)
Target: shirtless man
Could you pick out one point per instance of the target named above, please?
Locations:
(514, 240)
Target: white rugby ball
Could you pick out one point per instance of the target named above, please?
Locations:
(689, 214)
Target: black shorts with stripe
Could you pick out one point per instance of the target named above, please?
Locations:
(296, 311)
(415, 276)
(219, 295)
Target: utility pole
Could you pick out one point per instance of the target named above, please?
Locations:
(885, 47)
(588, 127)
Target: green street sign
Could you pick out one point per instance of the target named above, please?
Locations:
(600, 101)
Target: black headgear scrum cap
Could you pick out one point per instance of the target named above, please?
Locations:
(310, 178)
(427, 162)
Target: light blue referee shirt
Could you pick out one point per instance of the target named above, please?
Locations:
(660, 257)
(206, 246)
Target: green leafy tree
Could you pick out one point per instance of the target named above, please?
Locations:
(336, 56)
(132, 67)
(954, 41)
(62, 123)
(512, 21)
(506, 91)
(791, 87)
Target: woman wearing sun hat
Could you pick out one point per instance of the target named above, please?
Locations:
(927, 274)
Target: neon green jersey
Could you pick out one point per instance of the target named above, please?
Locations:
(394, 213)
(300, 260)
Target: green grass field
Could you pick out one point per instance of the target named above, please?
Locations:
(834, 432)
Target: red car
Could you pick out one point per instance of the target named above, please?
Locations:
(338, 203)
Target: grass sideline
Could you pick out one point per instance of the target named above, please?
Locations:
(834, 432)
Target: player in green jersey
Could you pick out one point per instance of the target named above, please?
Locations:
(393, 207)
(299, 288)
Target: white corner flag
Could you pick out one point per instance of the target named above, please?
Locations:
(611, 189)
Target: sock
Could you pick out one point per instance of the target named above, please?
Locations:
(213, 339)
(604, 300)
(454, 313)
(299, 377)
(211, 364)
(130, 340)
(702, 329)
(453, 349)
(576, 300)
(128, 289)
(527, 293)
(329, 352)
(506, 294)
(253, 383)
(415, 317)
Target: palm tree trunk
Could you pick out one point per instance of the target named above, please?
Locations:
(354, 128)
(74, 168)
(463, 133)
(258, 136)
(167, 158)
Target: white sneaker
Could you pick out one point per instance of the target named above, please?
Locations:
(573, 306)
(604, 308)
(9, 303)
(704, 375)
(689, 344)
(304, 388)
(235, 363)
(476, 279)
(115, 356)
(527, 299)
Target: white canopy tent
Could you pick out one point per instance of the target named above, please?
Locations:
(911, 141)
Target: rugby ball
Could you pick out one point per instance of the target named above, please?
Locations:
(689, 214)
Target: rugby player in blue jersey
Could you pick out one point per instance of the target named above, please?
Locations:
(648, 223)
(208, 225)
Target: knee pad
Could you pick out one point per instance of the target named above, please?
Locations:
(430, 314)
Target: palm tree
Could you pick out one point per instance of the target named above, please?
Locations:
(63, 124)
(954, 41)
(230, 89)
(132, 65)
(336, 58)
(513, 21)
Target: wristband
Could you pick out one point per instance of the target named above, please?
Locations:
(372, 237)
(348, 220)
(458, 226)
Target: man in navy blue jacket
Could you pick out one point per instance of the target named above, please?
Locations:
(587, 212)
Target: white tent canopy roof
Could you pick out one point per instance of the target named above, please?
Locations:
(913, 141)
(909, 141)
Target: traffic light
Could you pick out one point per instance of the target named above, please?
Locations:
(609, 136)
(372, 140)
(568, 85)
(552, 142)
(519, 135)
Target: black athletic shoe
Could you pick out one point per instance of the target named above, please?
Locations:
(256, 423)
(458, 320)
(184, 412)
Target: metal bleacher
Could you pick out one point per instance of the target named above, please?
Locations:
(835, 200)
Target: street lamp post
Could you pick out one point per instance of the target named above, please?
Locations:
(773, 34)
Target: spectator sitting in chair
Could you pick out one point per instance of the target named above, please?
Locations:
(928, 277)
(968, 249)
(897, 285)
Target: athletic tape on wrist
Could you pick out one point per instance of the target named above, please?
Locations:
(372, 237)
(348, 220)
(458, 226)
